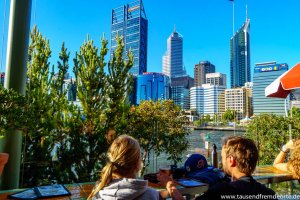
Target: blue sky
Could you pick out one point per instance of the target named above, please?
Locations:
(206, 26)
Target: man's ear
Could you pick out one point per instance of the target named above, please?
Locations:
(232, 161)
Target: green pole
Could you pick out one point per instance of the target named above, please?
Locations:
(15, 78)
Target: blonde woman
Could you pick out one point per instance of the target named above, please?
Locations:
(293, 164)
(118, 177)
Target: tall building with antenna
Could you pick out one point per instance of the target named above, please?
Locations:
(240, 72)
(130, 22)
(172, 61)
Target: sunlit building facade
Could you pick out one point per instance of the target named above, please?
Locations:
(239, 100)
(216, 79)
(265, 74)
(208, 99)
(130, 22)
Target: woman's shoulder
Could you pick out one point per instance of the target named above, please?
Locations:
(150, 193)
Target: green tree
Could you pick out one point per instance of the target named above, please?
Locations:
(12, 106)
(120, 86)
(207, 118)
(270, 132)
(159, 127)
(104, 101)
(37, 157)
(229, 115)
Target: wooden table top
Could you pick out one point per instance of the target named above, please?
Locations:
(269, 174)
(263, 174)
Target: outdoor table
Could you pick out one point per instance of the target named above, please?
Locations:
(82, 191)
(269, 174)
(263, 174)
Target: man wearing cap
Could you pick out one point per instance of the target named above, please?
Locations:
(239, 158)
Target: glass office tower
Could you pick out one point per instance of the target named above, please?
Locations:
(130, 21)
(152, 86)
(172, 60)
(240, 56)
(265, 74)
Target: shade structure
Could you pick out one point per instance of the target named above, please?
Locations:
(285, 83)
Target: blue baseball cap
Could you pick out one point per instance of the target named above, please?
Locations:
(196, 162)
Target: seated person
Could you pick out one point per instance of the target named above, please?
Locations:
(293, 164)
(118, 177)
(239, 158)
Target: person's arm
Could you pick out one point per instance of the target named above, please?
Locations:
(170, 185)
(279, 160)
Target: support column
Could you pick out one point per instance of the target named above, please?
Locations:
(15, 78)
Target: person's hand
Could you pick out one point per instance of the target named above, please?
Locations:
(163, 179)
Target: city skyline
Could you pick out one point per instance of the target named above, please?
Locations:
(206, 28)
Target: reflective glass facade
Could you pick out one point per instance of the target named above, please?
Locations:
(262, 77)
(240, 56)
(172, 61)
(152, 86)
(181, 96)
(130, 21)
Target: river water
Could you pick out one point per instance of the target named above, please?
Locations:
(196, 145)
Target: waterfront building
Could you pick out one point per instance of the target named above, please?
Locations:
(240, 101)
(216, 79)
(240, 56)
(172, 60)
(208, 99)
(265, 74)
(152, 86)
(130, 22)
(200, 71)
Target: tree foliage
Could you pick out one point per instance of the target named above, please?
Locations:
(66, 143)
(270, 132)
(229, 115)
(159, 127)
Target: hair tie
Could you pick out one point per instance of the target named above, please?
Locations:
(115, 164)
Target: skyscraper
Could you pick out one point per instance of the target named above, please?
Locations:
(130, 21)
(265, 74)
(172, 61)
(200, 71)
(240, 56)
